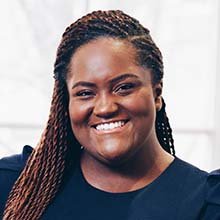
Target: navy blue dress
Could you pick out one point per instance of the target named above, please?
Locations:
(181, 192)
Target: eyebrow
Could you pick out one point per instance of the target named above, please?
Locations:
(122, 77)
(112, 81)
(83, 83)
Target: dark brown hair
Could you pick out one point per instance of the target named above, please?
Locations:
(58, 149)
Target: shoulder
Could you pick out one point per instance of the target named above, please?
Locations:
(212, 208)
(189, 173)
(10, 169)
(15, 162)
(179, 192)
(188, 185)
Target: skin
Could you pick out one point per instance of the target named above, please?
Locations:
(117, 88)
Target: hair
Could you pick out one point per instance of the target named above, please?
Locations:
(58, 150)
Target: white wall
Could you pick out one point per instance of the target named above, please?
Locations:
(187, 32)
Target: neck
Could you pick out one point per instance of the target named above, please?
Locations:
(134, 174)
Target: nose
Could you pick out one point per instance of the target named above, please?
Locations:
(105, 107)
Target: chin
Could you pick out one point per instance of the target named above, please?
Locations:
(112, 162)
(114, 158)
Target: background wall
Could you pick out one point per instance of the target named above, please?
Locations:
(186, 31)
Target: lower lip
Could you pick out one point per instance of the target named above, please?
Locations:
(118, 129)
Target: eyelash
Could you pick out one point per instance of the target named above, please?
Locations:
(85, 94)
(122, 89)
(125, 88)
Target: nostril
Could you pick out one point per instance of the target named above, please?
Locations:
(106, 114)
(106, 110)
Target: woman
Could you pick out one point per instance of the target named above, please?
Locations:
(107, 151)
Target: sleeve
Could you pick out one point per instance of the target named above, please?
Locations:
(10, 168)
(212, 208)
(7, 180)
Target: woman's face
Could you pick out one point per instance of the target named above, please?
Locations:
(112, 102)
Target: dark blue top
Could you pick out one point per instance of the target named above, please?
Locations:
(181, 192)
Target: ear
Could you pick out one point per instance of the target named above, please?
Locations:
(157, 90)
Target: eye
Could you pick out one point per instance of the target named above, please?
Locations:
(125, 88)
(85, 94)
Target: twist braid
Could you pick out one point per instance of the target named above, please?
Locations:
(58, 150)
(164, 131)
(40, 180)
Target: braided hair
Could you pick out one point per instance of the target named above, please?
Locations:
(58, 150)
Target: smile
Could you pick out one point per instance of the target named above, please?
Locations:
(110, 126)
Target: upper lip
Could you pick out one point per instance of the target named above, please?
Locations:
(109, 121)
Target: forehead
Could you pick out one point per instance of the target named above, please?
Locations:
(103, 57)
(108, 45)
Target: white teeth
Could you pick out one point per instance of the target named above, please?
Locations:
(109, 126)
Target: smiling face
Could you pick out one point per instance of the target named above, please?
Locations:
(112, 102)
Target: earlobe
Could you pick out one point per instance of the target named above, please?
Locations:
(158, 103)
(158, 97)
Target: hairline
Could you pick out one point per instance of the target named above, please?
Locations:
(126, 40)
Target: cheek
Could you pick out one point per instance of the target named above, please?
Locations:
(141, 106)
(79, 120)
(78, 112)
